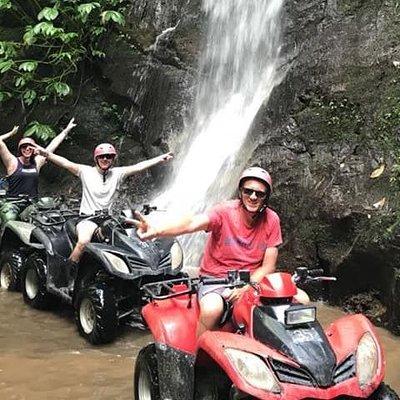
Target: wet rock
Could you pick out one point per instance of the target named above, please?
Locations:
(368, 304)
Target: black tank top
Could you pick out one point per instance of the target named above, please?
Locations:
(24, 180)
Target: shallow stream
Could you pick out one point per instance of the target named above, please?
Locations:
(43, 357)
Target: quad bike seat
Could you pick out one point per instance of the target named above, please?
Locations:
(70, 228)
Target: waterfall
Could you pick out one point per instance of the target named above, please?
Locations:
(238, 70)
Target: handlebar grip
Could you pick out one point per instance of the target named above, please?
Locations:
(315, 272)
(326, 278)
(214, 281)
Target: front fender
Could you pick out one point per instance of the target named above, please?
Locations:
(174, 322)
(95, 251)
(344, 335)
(175, 373)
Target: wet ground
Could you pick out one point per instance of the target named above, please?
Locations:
(43, 357)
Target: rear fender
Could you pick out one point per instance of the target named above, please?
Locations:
(39, 238)
(19, 231)
(173, 322)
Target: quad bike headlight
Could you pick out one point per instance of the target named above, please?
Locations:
(366, 359)
(254, 370)
(176, 256)
(117, 262)
(299, 314)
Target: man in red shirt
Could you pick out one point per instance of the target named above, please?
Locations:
(244, 234)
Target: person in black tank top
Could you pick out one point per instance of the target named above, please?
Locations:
(24, 180)
(23, 170)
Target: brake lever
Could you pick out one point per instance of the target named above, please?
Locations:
(324, 278)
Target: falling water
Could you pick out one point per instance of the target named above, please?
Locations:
(238, 70)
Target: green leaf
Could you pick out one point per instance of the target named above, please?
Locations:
(4, 96)
(48, 13)
(28, 66)
(47, 29)
(29, 97)
(68, 37)
(42, 131)
(60, 88)
(8, 49)
(29, 37)
(114, 16)
(5, 5)
(63, 56)
(98, 30)
(98, 53)
(6, 65)
(20, 81)
(85, 9)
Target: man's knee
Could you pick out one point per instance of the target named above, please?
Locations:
(302, 297)
(211, 306)
(81, 244)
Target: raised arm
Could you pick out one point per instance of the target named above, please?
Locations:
(52, 146)
(58, 160)
(8, 159)
(188, 224)
(132, 169)
(7, 135)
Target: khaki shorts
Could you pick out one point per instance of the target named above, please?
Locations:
(206, 289)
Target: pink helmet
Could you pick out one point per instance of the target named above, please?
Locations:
(26, 140)
(104, 148)
(256, 173)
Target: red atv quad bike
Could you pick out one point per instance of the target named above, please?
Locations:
(269, 348)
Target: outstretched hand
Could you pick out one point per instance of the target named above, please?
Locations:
(40, 151)
(9, 134)
(14, 130)
(71, 124)
(144, 230)
(166, 157)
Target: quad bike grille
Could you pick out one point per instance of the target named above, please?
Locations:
(135, 263)
(300, 376)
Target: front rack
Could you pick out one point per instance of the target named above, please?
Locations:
(171, 288)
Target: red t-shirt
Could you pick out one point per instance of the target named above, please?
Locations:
(232, 245)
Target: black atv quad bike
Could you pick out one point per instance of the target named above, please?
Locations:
(115, 265)
(15, 228)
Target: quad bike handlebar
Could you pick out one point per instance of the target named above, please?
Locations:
(178, 287)
(235, 279)
(304, 275)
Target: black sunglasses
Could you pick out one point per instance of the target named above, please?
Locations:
(259, 194)
(106, 156)
(25, 146)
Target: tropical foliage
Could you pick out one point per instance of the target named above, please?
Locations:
(49, 42)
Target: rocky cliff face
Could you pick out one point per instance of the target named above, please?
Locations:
(333, 120)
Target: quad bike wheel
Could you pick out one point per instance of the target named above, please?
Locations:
(33, 280)
(96, 314)
(10, 270)
(384, 392)
(146, 375)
